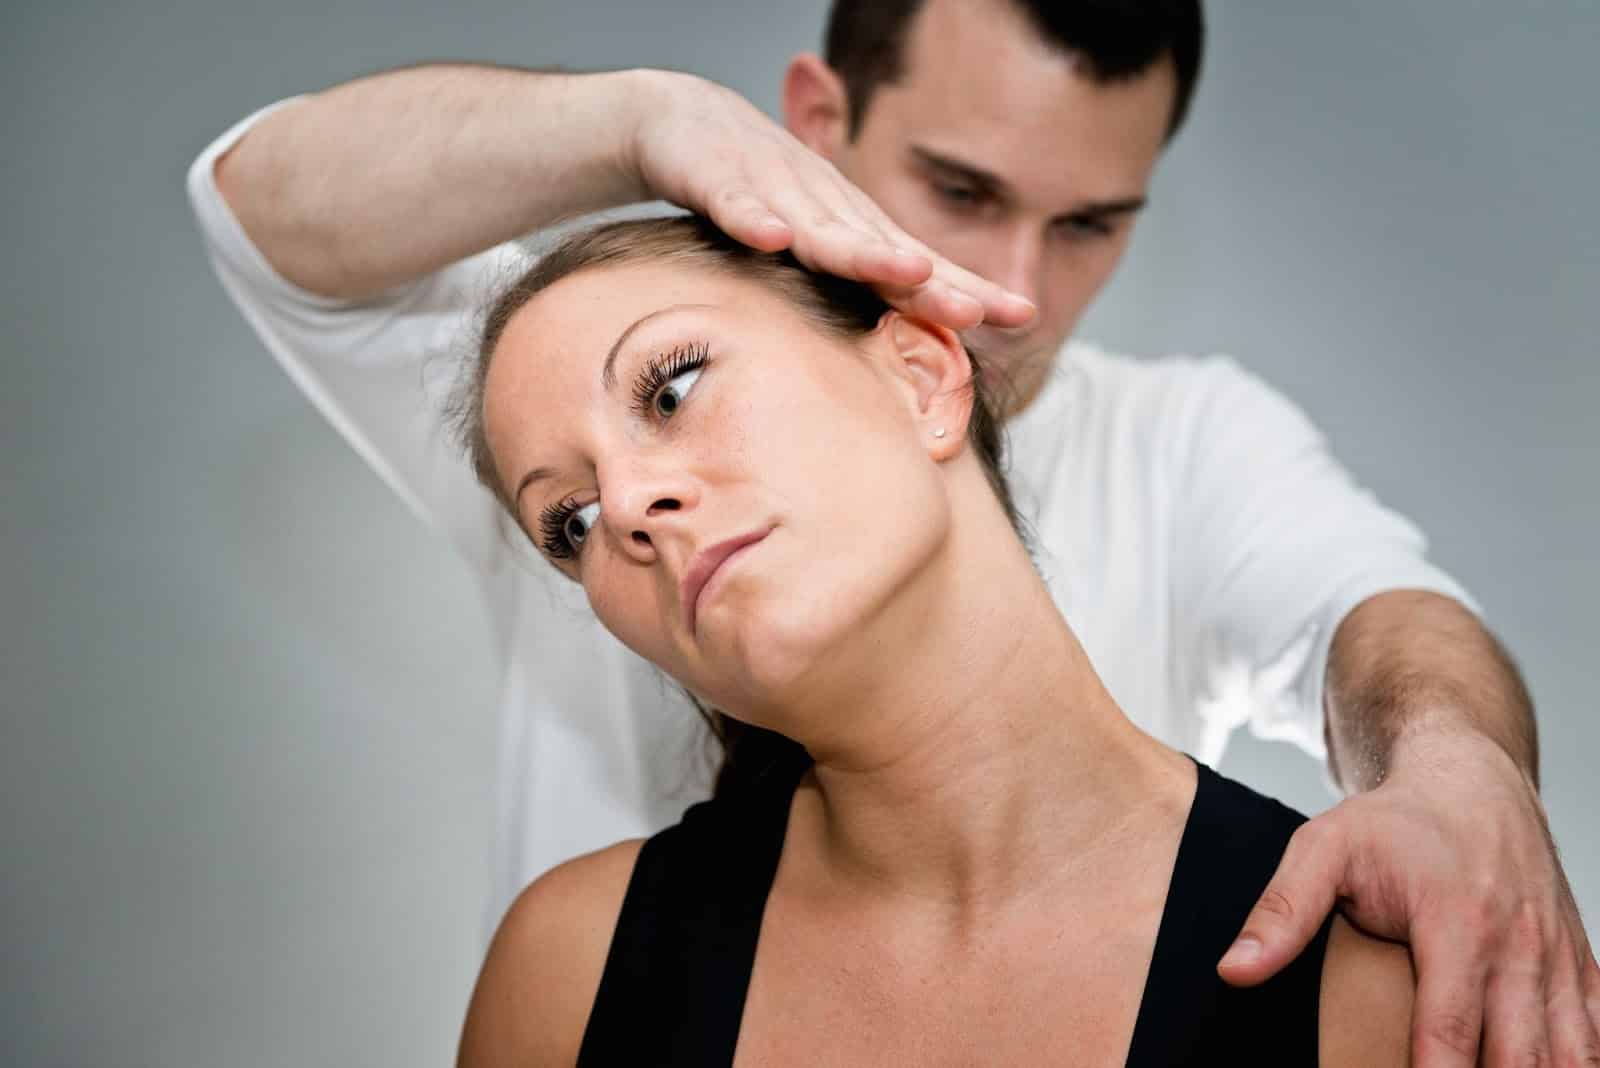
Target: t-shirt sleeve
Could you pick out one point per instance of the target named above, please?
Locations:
(379, 369)
(1274, 544)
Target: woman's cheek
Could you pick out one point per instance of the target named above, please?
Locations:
(627, 614)
(602, 599)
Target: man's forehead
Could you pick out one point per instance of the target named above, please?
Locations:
(981, 71)
(956, 40)
(1037, 128)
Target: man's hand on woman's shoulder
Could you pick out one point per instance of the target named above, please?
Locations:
(1451, 854)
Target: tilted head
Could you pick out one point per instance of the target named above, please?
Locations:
(652, 394)
(1016, 137)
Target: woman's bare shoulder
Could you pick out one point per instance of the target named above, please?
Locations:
(542, 970)
(1368, 986)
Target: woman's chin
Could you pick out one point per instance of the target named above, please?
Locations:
(772, 655)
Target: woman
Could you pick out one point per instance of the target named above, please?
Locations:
(786, 495)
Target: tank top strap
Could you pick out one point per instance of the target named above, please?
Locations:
(1229, 851)
(682, 952)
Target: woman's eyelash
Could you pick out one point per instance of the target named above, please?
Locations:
(663, 369)
(553, 528)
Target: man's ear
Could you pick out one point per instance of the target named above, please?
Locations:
(816, 105)
(936, 375)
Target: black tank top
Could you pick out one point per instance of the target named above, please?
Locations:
(673, 988)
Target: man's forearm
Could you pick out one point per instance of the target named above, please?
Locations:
(1406, 663)
(386, 178)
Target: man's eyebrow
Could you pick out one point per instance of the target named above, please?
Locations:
(997, 186)
(967, 172)
(608, 372)
(608, 379)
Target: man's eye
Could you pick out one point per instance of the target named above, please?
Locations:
(956, 194)
(1084, 226)
(673, 391)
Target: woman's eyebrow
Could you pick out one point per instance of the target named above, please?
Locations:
(538, 474)
(608, 379)
(608, 372)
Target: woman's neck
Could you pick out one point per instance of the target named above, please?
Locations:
(990, 764)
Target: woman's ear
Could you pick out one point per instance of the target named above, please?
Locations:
(932, 365)
(816, 105)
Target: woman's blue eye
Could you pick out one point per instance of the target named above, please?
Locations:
(672, 393)
(579, 523)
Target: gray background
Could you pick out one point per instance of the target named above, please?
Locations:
(246, 764)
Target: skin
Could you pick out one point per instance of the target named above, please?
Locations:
(1429, 725)
(1050, 226)
(662, 504)
(1444, 841)
(964, 848)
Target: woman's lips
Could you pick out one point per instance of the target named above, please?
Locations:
(706, 564)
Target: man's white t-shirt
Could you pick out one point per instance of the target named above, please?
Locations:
(1190, 522)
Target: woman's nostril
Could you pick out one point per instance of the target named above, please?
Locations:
(665, 504)
(641, 537)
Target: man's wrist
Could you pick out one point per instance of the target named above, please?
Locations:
(1408, 673)
(1438, 742)
(629, 98)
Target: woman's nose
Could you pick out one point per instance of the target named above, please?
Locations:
(641, 508)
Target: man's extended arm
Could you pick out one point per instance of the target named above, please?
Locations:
(1443, 843)
(1408, 663)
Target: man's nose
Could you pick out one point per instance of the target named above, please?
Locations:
(1018, 264)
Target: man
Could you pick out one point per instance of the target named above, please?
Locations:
(1219, 564)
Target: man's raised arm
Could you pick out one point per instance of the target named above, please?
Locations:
(387, 178)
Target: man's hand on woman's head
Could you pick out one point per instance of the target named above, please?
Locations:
(706, 148)
(1452, 855)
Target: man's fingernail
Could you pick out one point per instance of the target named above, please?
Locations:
(1244, 951)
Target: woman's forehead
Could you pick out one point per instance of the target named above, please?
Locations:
(560, 340)
(596, 305)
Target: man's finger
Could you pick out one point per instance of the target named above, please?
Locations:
(824, 241)
(1574, 1039)
(1515, 1021)
(1588, 974)
(937, 303)
(1588, 991)
(1591, 990)
(1290, 910)
(746, 218)
(1001, 307)
(1447, 1017)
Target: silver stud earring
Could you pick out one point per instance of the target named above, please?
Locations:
(939, 433)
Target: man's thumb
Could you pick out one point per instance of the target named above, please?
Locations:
(1290, 910)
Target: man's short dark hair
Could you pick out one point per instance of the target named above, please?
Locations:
(1116, 39)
